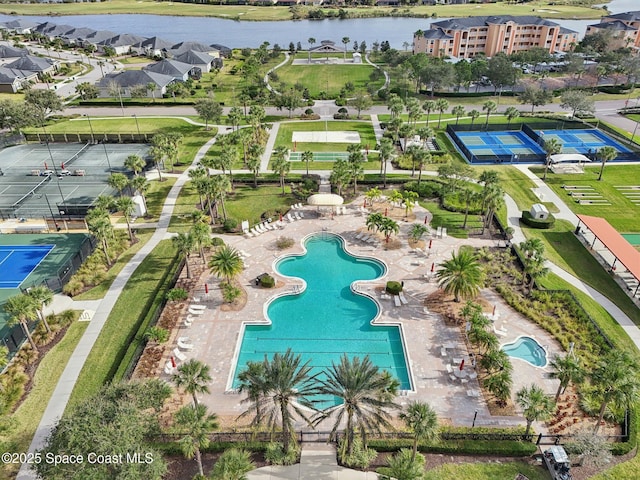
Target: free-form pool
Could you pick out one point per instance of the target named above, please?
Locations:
(527, 349)
(327, 320)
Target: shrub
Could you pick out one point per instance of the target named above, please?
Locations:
(308, 111)
(267, 281)
(217, 242)
(177, 294)
(282, 243)
(233, 464)
(360, 456)
(73, 287)
(402, 466)
(276, 456)
(229, 225)
(528, 220)
(230, 292)
(427, 188)
(156, 334)
(393, 287)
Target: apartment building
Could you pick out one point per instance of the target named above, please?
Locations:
(488, 35)
(624, 29)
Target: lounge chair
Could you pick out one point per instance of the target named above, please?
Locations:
(444, 232)
(247, 233)
(255, 231)
(366, 238)
(189, 320)
(196, 312)
(396, 300)
(359, 236)
(473, 376)
(402, 298)
(499, 331)
(439, 232)
(372, 239)
(179, 355)
(297, 215)
(443, 353)
(185, 343)
(245, 254)
(301, 214)
(169, 369)
(290, 218)
(449, 368)
(473, 393)
(196, 306)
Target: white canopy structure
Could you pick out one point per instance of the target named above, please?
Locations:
(325, 200)
(569, 157)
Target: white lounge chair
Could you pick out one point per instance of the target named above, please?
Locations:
(359, 236)
(255, 231)
(297, 215)
(301, 214)
(247, 233)
(179, 355)
(169, 369)
(473, 393)
(449, 368)
(396, 300)
(196, 312)
(443, 352)
(185, 343)
(402, 298)
(499, 331)
(189, 320)
(197, 306)
(444, 232)
(290, 218)
(439, 232)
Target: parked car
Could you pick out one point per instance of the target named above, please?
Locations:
(46, 173)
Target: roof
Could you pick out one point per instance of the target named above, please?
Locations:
(79, 33)
(483, 21)
(615, 243)
(132, 78)
(225, 51)
(124, 40)
(569, 157)
(559, 454)
(436, 34)
(628, 16)
(32, 64)
(8, 52)
(169, 67)
(53, 29)
(195, 58)
(615, 25)
(10, 75)
(154, 43)
(19, 23)
(325, 199)
(182, 47)
(99, 35)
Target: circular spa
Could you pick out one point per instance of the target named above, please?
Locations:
(327, 319)
(527, 349)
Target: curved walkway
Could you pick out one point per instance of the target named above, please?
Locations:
(64, 388)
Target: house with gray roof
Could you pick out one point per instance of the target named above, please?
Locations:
(9, 53)
(200, 60)
(224, 51)
(96, 37)
(19, 26)
(52, 30)
(39, 65)
(129, 79)
(622, 30)
(13, 80)
(182, 47)
(179, 71)
(120, 43)
(152, 47)
(76, 36)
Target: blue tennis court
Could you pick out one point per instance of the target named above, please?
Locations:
(500, 143)
(18, 261)
(582, 141)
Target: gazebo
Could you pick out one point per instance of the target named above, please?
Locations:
(325, 202)
(568, 162)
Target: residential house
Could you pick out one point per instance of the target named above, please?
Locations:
(96, 37)
(200, 60)
(152, 47)
(129, 79)
(9, 54)
(19, 26)
(39, 65)
(223, 50)
(121, 44)
(12, 79)
(76, 36)
(51, 31)
(179, 71)
(489, 35)
(182, 47)
(624, 29)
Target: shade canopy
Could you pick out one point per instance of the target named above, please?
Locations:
(325, 200)
(569, 157)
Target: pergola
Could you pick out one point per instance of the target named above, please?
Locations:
(619, 247)
(330, 200)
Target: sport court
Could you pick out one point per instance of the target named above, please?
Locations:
(328, 136)
(500, 143)
(581, 141)
(320, 156)
(18, 261)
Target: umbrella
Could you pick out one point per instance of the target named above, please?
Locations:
(425, 220)
(173, 362)
(385, 211)
(430, 243)
(280, 217)
(206, 288)
(433, 266)
(462, 364)
(494, 311)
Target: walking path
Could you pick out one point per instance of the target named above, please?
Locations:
(268, 149)
(62, 393)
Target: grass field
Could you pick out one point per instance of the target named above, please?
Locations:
(327, 78)
(622, 214)
(487, 471)
(101, 125)
(452, 221)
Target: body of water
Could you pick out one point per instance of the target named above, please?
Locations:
(237, 34)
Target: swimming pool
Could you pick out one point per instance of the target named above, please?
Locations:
(326, 319)
(527, 349)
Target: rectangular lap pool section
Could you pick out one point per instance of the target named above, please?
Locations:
(18, 261)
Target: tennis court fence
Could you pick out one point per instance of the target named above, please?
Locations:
(88, 138)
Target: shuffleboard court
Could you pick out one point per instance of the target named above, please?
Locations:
(338, 136)
(320, 156)
(18, 261)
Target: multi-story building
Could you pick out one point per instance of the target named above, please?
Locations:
(468, 37)
(623, 28)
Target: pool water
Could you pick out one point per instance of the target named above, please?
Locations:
(527, 349)
(327, 320)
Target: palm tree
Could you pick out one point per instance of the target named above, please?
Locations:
(193, 377)
(220, 186)
(280, 164)
(385, 152)
(100, 227)
(489, 106)
(461, 275)
(127, 207)
(195, 424)
(22, 309)
(535, 404)
(511, 113)
(135, 164)
(118, 181)
(409, 200)
(417, 231)
(567, 369)
(43, 296)
(345, 41)
(458, 111)
(485, 341)
(441, 106)
(366, 395)
(616, 381)
(183, 242)
(374, 220)
(311, 41)
(551, 147)
(469, 196)
(140, 184)
(233, 464)
(388, 227)
(227, 263)
(429, 106)
(253, 382)
(499, 385)
(422, 420)
(495, 360)
(199, 231)
(306, 157)
(474, 114)
(606, 154)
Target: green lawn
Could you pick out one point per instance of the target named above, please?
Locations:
(285, 135)
(487, 471)
(622, 214)
(26, 418)
(156, 197)
(326, 78)
(101, 125)
(452, 221)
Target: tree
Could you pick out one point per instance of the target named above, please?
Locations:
(193, 377)
(615, 380)
(306, 157)
(374, 221)
(551, 147)
(234, 117)
(183, 242)
(578, 102)
(100, 227)
(386, 151)
(135, 164)
(253, 161)
(234, 463)
(469, 196)
(141, 185)
(535, 404)
(22, 309)
(534, 96)
(499, 385)
(226, 262)
(458, 111)
(474, 114)
(429, 106)
(501, 71)
(220, 186)
(311, 41)
(209, 110)
(45, 103)
(127, 207)
(280, 164)
(361, 101)
(489, 106)
(252, 381)
(87, 90)
(605, 154)
(340, 175)
(118, 181)
(417, 231)
(42, 296)
(366, 394)
(461, 275)
(289, 100)
(388, 226)
(441, 105)
(345, 42)
(592, 449)
(414, 111)
(422, 421)
(194, 423)
(511, 113)
(567, 369)
(395, 105)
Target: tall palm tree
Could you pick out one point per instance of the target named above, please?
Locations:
(366, 394)
(253, 382)
(199, 231)
(616, 381)
(458, 111)
(606, 154)
(474, 114)
(429, 106)
(141, 185)
(306, 157)
(388, 227)
(461, 275)
(135, 164)
(220, 186)
(511, 113)
(374, 220)
(118, 181)
(409, 200)
(226, 263)
(567, 369)
(441, 106)
(422, 420)
(184, 244)
(280, 164)
(385, 152)
(100, 227)
(535, 404)
(194, 423)
(495, 360)
(499, 385)
(551, 147)
(43, 296)
(489, 106)
(311, 41)
(127, 207)
(345, 41)
(469, 196)
(193, 377)
(22, 309)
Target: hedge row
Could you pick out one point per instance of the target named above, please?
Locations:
(475, 447)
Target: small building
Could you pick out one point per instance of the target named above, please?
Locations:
(12, 80)
(539, 211)
(152, 47)
(129, 79)
(179, 71)
(357, 57)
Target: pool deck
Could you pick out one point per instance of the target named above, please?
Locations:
(216, 333)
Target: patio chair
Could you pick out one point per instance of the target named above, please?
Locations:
(301, 214)
(359, 236)
(185, 343)
(444, 232)
(196, 311)
(402, 298)
(179, 355)
(297, 215)
(290, 218)
(197, 306)
(449, 368)
(443, 353)
(189, 320)
(396, 300)
(247, 233)
(169, 369)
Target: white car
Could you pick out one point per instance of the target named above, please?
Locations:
(46, 173)
(64, 173)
